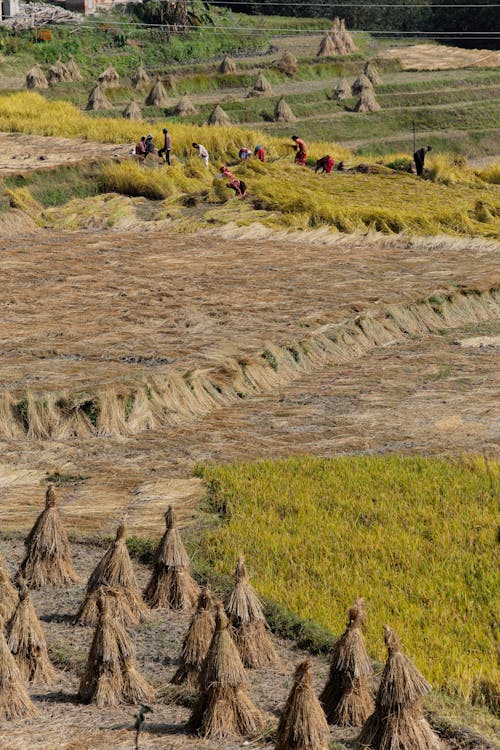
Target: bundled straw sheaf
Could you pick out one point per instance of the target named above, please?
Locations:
(58, 73)
(132, 111)
(283, 112)
(372, 73)
(361, 82)
(140, 78)
(48, 557)
(227, 65)
(27, 642)
(347, 697)
(246, 615)
(224, 708)
(114, 571)
(302, 724)
(157, 97)
(171, 585)
(15, 702)
(342, 90)
(287, 64)
(9, 597)
(109, 78)
(98, 100)
(196, 642)
(367, 102)
(219, 118)
(35, 78)
(185, 106)
(111, 676)
(261, 86)
(73, 69)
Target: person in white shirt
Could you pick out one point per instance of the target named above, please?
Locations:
(202, 152)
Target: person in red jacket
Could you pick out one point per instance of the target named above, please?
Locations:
(301, 149)
(234, 183)
(259, 153)
(325, 164)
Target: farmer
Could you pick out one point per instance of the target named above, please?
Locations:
(150, 146)
(301, 149)
(244, 153)
(325, 164)
(259, 153)
(140, 146)
(239, 187)
(419, 157)
(167, 146)
(202, 152)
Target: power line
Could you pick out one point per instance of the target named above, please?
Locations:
(226, 3)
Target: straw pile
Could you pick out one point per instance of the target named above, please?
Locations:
(157, 97)
(26, 640)
(73, 69)
(114, 571)
(109, 78)
(347, 696)
(251, 634)
(111, 676)
(261, 86)
(283, 112)
(185, 106)
(361, 82)
(48, 558)
(398, 720)
(132, 111)
(196, 642)
(119, 607)
(58, 73)
(227, 65)
(224, 708)
(98, 100)
(372, 73)
(287, 64)
(367, 102)
(15, 702)
(140, 78)
(8, 595)
(302, 724)
(219, 118)
(342, 90)
(171, 585)
(327, 47)
(35, 78)
(337, 41)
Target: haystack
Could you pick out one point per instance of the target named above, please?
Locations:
(15, 702)
(73, 69)
(361, 82)
(48, 557)
(9, 597)
(348, 43)
(111, 676)
(261, 86)
(196, 642)
(132, 111)
(342, 90)
(287, 64)
(371, 72)
(157, 97)
(171, 585)
(109, 78)
(347, 697)
(250, 629)
(219, 118)
(398, 720)
(140, 78)
(98, 100)
(185, 106)
(224, 708)
(58, 73)
(27, 642)
(283, 112)
(114, 571)
(227, 65)
(367, 102)
(302, 724)
(327, 48)
(35, 78)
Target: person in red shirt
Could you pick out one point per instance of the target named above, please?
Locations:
(234, 183)
(259, 153)
(325, 164)
(301, 149)
(140, 147)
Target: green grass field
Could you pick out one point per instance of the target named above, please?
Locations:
(415, 536)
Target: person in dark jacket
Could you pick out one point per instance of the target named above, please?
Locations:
(324, 165)
(167, 146)
(419, 158)
(150, 146)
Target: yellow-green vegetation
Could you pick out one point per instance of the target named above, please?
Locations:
(416, 536)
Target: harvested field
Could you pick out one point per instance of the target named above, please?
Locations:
(442, 57)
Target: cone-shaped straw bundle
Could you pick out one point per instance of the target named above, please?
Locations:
(132, 111)
(58, 73)
(26, 640)
(283, 112)
(224, 708)
(327, 47)
(157, 97)
(251, 634)
(361, 82)
(109, 78)
(98, 100)
(111, 675)
(196, 643)
(140, 78)
(115, 571)
(227, 65)
(398, 722)
(8, 595)
(15, 702)
(35, 78)
(342, 90)
(261, 86)
(287, 64)
(73, 69)
(372, 73)
(347, 697)
(48, 559)
(367, 102)
(219, 117)
(302, 725)
(171, 585)
(185, 106)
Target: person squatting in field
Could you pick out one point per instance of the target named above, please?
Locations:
(301, 149)
(239, 187)
(419, 158)
(325, 164)
(140, 147)
(202, 152)
(244, 153)
(259, 153)
(150, 146)
(167, 146)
